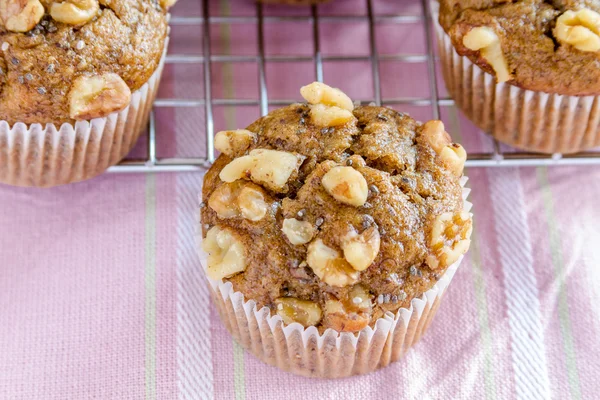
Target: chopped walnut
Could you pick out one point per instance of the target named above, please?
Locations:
(269, 168)
(226, 254)
(21, 15)
(234, 142)
(450, 238)
(329, 116)
(97, 96)
(74, 12)
(485, 40)
(306, 313)
(360, 250)
(453, 157)
(581, 29)
(298, 232)
(346, 185)
(239, 198)
(320, 93)
(329, 265)
(350, 315)
(435, 135)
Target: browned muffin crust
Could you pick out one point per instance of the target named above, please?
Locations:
(408, 186)
(38, 67)
(537, 59)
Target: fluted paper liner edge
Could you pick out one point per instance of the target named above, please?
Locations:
(333, 354)
(45, 156)
(526, 119)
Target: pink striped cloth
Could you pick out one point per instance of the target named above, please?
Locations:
(101, 293)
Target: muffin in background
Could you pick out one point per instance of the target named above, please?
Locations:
(326, 223)
(77, 81)
(525, 71)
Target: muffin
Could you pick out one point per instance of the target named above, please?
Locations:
(323, 223)
(525, 71)
(77, 81)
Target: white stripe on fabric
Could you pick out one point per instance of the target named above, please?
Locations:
(194, 357)
(520, 285)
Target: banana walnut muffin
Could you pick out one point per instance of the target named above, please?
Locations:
(550, 46)
(331, 215)
(76, 59)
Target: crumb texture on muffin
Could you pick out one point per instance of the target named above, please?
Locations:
(339, 223)
(548, 46)
(76, 59)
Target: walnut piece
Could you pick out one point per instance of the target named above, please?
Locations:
(346, 185)
(269, 168)
(226, 255)
(21, 15)
(298, 232)
(306, 313)
(329, 265)
(320, 93)
(435, 135)
(450, 238)
(239, 198)
(234, 142)
(74, 12)
(329, 116)
(453, 157)
(97, 96)
(485, 40)
(361, 250)
(581, 29)
(166, 4)
(350, 315)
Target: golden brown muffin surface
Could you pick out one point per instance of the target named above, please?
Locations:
(39, 67)
(407, 187)
(539, 54)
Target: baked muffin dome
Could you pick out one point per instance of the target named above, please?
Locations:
(547, 46)
(79, 59)
(331, 214)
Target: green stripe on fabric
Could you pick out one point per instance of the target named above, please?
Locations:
(150, 286)
(558, 264)
(484, 319)
(239, 370)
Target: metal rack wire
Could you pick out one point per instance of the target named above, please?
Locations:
(153, 163)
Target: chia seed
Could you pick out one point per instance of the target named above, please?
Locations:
(380, 299)
(324, 131)
(301, 213)
(41, 90)
(382, 117)
(4, 46)
(374, 189)
(319, 221)
(80, 45)
(349, 163)
(415, 271)
(302, 121)
(29, 77)
(14, 61)
(202, 205)
(21, 80)
(50, 68)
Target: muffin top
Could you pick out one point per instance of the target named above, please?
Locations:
(549, 46)
(78, 59)
(330, 214)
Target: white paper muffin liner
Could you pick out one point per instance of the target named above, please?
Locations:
(333, 354)
(527, 119)
(44, 156)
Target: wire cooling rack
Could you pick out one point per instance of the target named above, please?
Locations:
(498, 155)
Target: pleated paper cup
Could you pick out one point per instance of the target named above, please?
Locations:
(332, 354)
(47, 155)
(527, 119)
